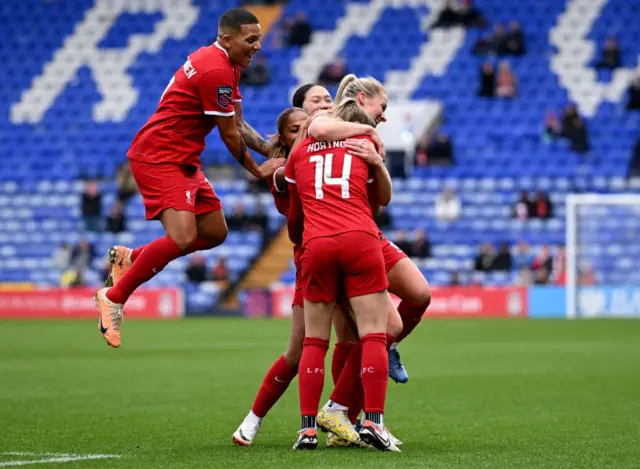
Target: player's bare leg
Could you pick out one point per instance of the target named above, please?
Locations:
(407, 282)
(275, 383)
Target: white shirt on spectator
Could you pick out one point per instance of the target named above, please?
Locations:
(447, 207)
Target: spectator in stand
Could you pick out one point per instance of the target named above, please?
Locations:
(503, 261)
(62, 256)
(421, 246)
(196, 269)
(440, 151)
(634, 93)
(586, 275)
(447, 205)
(523, 209)
(448, 16)
(634, 163)
(542, 206)
(524, 277)
(610, 55)
(459, 14)
(485, 259)
(259, 221)
(541, 276)
(220, 271)
(333, 73)
(499, 46)
(125, 183)
(383, 219)
(470, 16)
(578, 136)
(116, 218)
(238, 219)
(92, 207)
(455, 279)
(401, 240)
(522, 256)
(559, 272)
(257, 74)
(543, 261)
(299, 31)
(72, 278)
(83, 255)
(568, 118)
(552, 126)
(484, 45)
(487, 81)
(506, 82)
(514, 41)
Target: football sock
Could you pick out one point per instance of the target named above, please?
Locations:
(155, 256)
(375, 417)
(335, 405)
(253, 418)
(411, 316)
(311, 376)
(273, 386)
(375, 371)
(341, 353)
(200, 245)
(308, 421)
(349, 382)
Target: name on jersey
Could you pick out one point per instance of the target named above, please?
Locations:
(188, 69)
(317, 146)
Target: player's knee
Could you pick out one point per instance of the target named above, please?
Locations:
(185, 238)
(394, 325)
(215, 236)
(293, 354)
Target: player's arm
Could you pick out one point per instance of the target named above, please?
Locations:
(325, 128)
(279, 181)
(365, 149)
(372, 196)
(236, 145)
(250, 136)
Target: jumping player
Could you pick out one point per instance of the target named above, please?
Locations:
(165, 161)
(338, 249)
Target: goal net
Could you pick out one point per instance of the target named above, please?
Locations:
(603, 255)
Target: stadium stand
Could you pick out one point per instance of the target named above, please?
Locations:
(67, 115)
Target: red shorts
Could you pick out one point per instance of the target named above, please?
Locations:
(298, 297)
(352, 260)
(166, 185)
(392, 253)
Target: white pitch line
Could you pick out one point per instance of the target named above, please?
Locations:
(54, 458)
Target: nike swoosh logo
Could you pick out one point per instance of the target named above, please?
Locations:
(102, 328)
(280, 381)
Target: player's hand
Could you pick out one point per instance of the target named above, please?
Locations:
(269, 167)
(364, 149)
(377, 141)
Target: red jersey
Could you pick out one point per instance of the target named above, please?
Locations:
(332, 187)
(205, 86)
(280, 197)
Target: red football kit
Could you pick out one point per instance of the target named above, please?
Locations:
(340, 237)
(281, 199)
(165, 154)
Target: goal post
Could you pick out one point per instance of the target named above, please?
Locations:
(603, 236)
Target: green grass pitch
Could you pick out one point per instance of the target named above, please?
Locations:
(481, 394)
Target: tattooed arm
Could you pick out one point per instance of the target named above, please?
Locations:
(250, 136)
(235, 144)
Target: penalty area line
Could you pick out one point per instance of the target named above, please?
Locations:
(49, 458)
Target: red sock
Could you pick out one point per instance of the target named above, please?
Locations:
(199, 245)
(154, 257)
(357, 401)
(340, 355)
(411, 316)
(136, 252)
(311, 375)
(349, 380)
(273, 386)
(375, 372)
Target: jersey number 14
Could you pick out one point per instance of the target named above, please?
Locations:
(324, 166)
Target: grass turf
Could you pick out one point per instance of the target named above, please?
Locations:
(491, 393)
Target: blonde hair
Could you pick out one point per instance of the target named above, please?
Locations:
(279, 149)
(349, 111)
(351, 85)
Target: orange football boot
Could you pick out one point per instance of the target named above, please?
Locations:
(109, 318)
(120, 260)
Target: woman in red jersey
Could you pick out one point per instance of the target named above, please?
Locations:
(341, 252)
